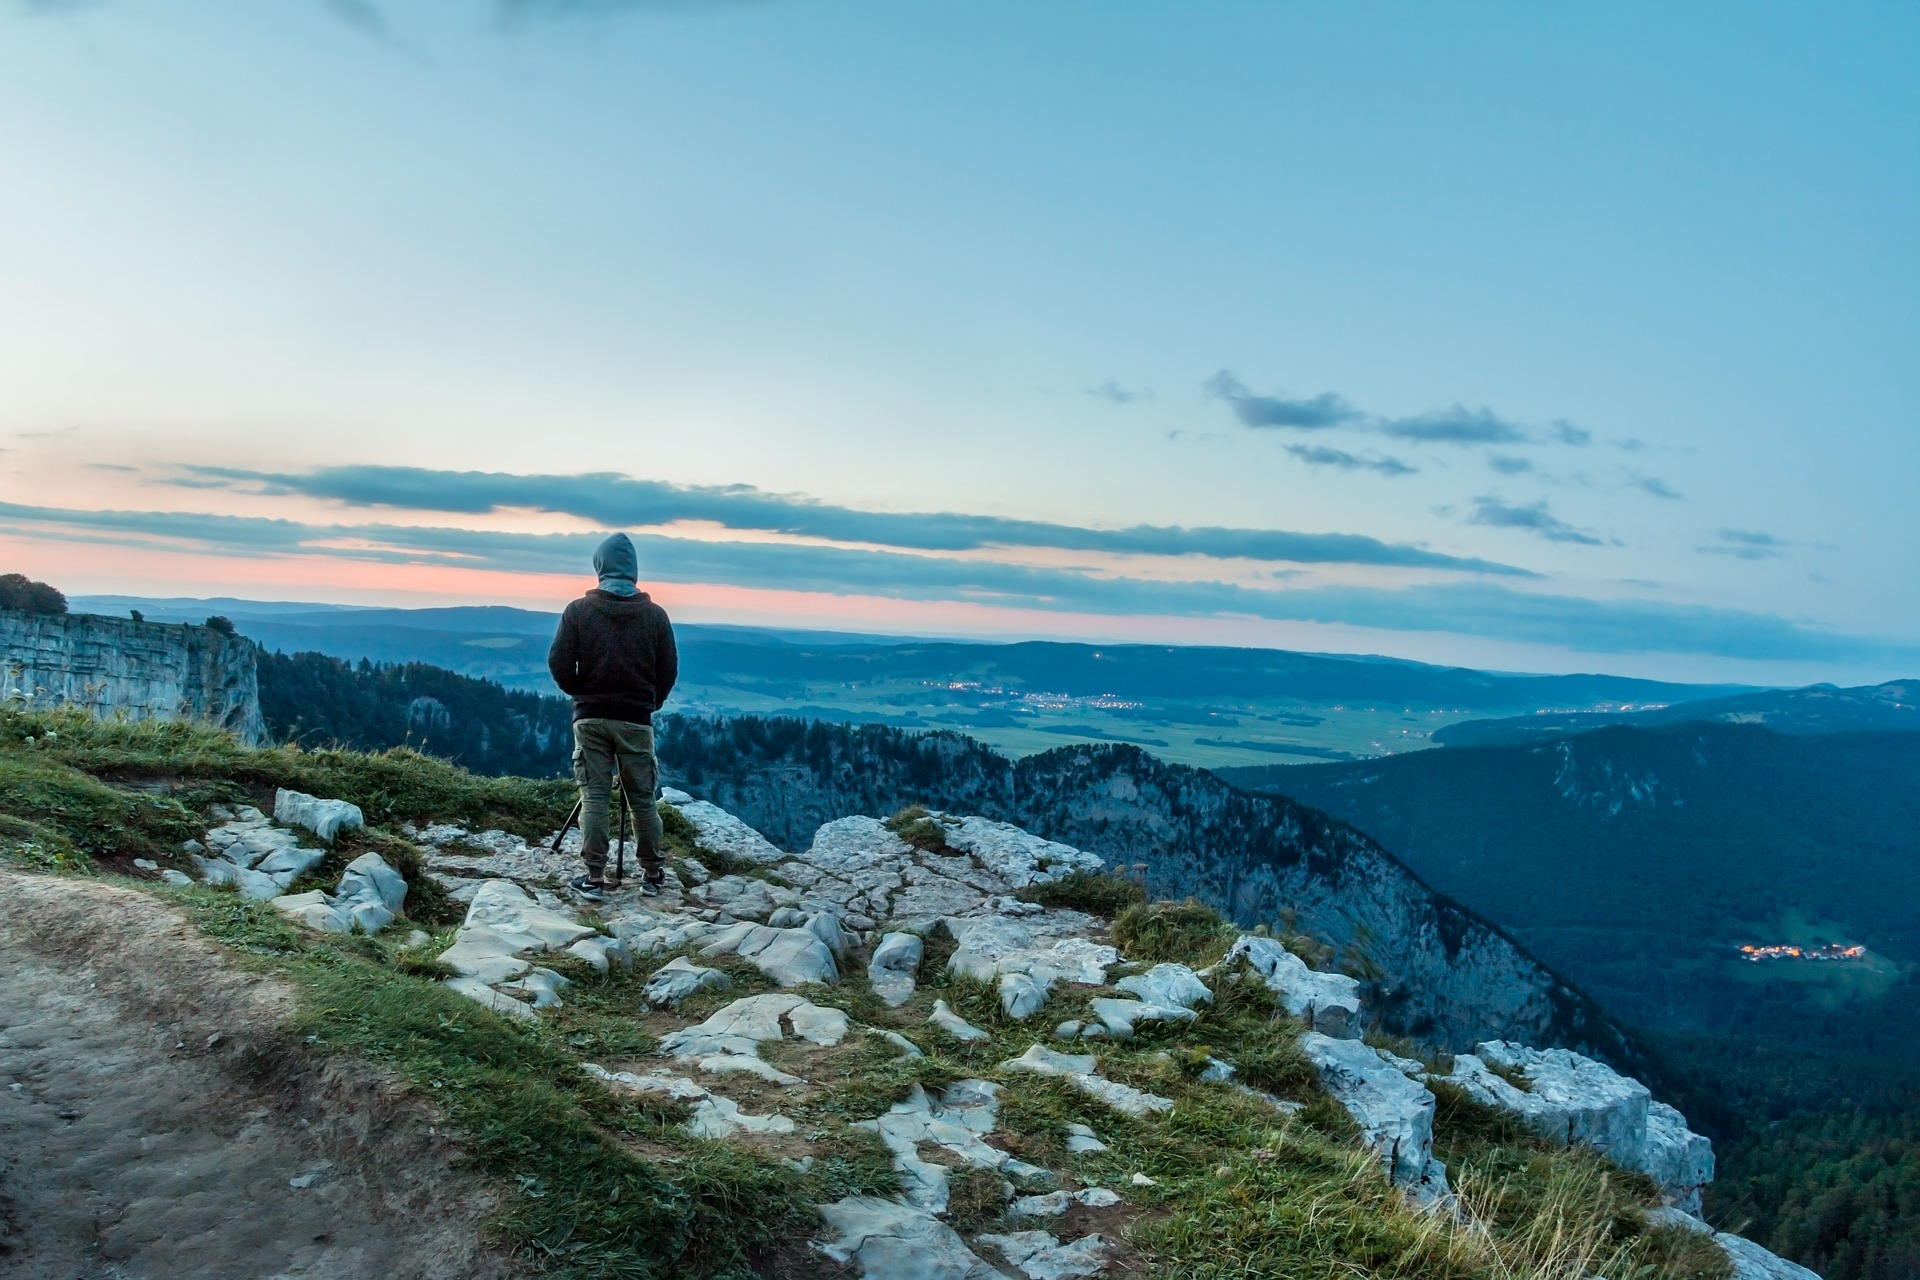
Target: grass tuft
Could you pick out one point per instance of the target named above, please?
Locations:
(1098, 893)
(1189, 932)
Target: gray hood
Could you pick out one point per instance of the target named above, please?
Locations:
(618, 566)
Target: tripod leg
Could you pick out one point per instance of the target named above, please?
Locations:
(621, 856)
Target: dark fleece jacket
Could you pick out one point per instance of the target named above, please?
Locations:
(614, 656)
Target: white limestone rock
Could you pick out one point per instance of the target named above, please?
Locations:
(1571, 1098)
(370, 892)
(736, 1032)
(953, 1024)
(680, 978)
(312, 910)
(964, 1114)
(715, 1116)
(997, 949)
(791, 957)
(1018, 857)
(908, 1049)
(1038, 1256)
(722, 833)
(288, 865)
(1677, 1158)
(475, 989)
(1120, 1017)
(511, 914)
(603, 953)
(891, 970)
(721, 1064)
(1751, 1262)
(1050, 1205)
(1394, 1112)
(1170, 986)
(677, 1088)
(888, 1240)
(1079, 1071)
(1082, 1140)
(253, 885)
(178, 879)
(325, 818)
(541, 986)
(825, 925)
(744, 898)
(1327, 1002)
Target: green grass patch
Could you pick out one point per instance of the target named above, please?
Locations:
(1189, 932)
(922, 830)
(1098, 893)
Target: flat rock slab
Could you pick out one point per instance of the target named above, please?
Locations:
(964, 1114)
(1038, 1256)
(509, 913)
(1079, 1071)
(737, 1031)
(718, 831)
(791, 957)
(888, 1240)
(1016, 856)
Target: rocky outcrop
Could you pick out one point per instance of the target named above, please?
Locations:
(1447, 976)
(1568, 1098)
(860, 897)
(142, 670)
(1394, 1112)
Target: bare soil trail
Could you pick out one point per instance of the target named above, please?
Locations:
(157, 1121)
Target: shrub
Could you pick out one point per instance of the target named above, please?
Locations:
(18, 591)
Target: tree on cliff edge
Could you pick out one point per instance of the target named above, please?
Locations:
(18, 591)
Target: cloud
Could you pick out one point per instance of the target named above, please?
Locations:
(1534, 518)
(1316, 414)
(1458, 425)
(1509, 466)
(1115, 393)
(1746, 544)
(1319, 456)
(619, 501)
(1566, 433)
(1465, 608)
(1655, 486)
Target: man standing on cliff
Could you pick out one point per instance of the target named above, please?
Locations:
(614, 656)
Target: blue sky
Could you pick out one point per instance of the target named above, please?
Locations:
(1531, 337)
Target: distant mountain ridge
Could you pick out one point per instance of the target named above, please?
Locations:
(1821, 708)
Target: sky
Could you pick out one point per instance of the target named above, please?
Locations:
(1532, 337)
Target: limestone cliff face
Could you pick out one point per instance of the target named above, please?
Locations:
(139, 669)
(1445, 975)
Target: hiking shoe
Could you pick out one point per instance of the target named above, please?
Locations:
(651, 887)
(591, 890)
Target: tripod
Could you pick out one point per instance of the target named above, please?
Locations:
(620, 848)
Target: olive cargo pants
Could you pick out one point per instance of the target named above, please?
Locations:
(600, 749)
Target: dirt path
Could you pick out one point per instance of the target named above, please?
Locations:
(154, 1122)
